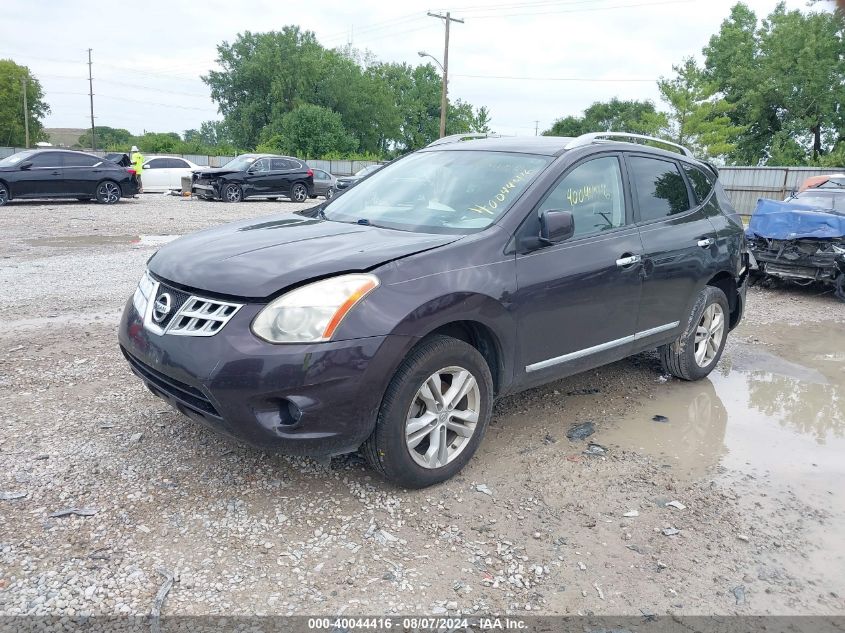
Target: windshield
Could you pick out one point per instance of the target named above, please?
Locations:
(366, 170)
(240, 163)
(823, 202)
(439, 192)
(14, 159)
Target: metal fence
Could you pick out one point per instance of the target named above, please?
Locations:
(746, 184)
(336, 167)
(743, 184)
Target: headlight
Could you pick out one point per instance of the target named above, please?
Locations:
(311, 314)
(143, 293)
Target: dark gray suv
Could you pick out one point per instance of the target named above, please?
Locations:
(389, 319)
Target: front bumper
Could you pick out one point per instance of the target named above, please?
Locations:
(205, 190)
(320, 399)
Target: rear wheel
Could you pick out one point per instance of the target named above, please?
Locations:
(108, 192)
(433, 415)
(330, 194)
(4, 194)
(697, 351)
(299, 192)
(232, 193)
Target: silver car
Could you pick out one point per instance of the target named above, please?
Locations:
(324, 184)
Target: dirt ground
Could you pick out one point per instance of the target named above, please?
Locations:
(752, 461)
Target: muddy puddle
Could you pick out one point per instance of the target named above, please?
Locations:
(88, 241)
(772, 416)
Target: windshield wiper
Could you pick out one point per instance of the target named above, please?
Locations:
(363, 222)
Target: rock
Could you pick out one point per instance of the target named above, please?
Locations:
(452, 606)
(135, 438)
(676, 504)
(83, 512)
(483, 489)
(9, 496)
(537, 535)
(660, 418)
(581, 431)
(742, 537)
(582, 566)
(438, 611)
(739, 594)
(631, 513)
(670, 531)
(595, 449)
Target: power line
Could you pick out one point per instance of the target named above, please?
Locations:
(585, 79)
(584, 10)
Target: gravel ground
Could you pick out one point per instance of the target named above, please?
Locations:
(102, 486)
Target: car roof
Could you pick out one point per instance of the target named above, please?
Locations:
(549, 146)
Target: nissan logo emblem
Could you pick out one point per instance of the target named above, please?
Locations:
(161, 308)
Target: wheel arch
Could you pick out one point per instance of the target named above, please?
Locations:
(726, 282)
(482, 338)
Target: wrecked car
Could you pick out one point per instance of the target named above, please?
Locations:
(802, 239)
(390, 318)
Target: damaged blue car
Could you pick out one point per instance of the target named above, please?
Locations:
(802, 239)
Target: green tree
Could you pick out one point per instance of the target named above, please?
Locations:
(309, 131)
(108, 138)
(783, 80)
(698, 117)
(12, 127)
(639, 117)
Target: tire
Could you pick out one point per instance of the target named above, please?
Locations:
(299, 192)
(839, 291)
(330, 194)
(232, 193)
(4, 194)
(691, 359)
(437, 360)
(108, 192)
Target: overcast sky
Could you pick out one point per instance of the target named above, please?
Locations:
(514, 57)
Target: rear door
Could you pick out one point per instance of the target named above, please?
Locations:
(156, 175)
(80, 173)
(577, 301)
(43, 178)
(678, 242)
(179, 168)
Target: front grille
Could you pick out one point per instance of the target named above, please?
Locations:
(176, 389)
(177, 300)
(189, 315)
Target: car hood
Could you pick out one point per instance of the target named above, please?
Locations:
(257, 258)
(790, 220)
(214, 171)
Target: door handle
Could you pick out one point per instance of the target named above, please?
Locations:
(55, 173)
(628, 260)
(706, 242)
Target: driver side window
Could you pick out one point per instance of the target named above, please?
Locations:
(593, 194)
(261, 165)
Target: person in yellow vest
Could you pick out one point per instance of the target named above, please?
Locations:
(137, 160)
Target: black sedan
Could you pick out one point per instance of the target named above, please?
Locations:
(344, 182)
(63, 174)
(255, 176)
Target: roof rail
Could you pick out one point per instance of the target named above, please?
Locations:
(587, 139)
(456, 138)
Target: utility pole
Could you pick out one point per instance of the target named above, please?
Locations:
(444, 102)
(91, 97)
(536, 127)
(25, 112)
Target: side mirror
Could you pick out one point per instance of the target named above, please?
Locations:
(556, 226)
(26, 165)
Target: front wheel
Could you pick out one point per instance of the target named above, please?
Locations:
(108, 192)
(433, 415)
(299, 192)
(232, 193)
(330, 194)
(697, 351)
(4, 194)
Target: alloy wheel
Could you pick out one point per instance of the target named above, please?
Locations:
(4, 195)
(233, 193)
(108, 192)
(329, 194)
(300, 193)
(709, 334)
(443, 417)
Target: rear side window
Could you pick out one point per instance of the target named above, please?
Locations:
(177, 163)
(702, 184)
(592, 192)
(659, 188)
(81, 160)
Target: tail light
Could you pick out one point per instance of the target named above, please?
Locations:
(310, 173)
(131, 170)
